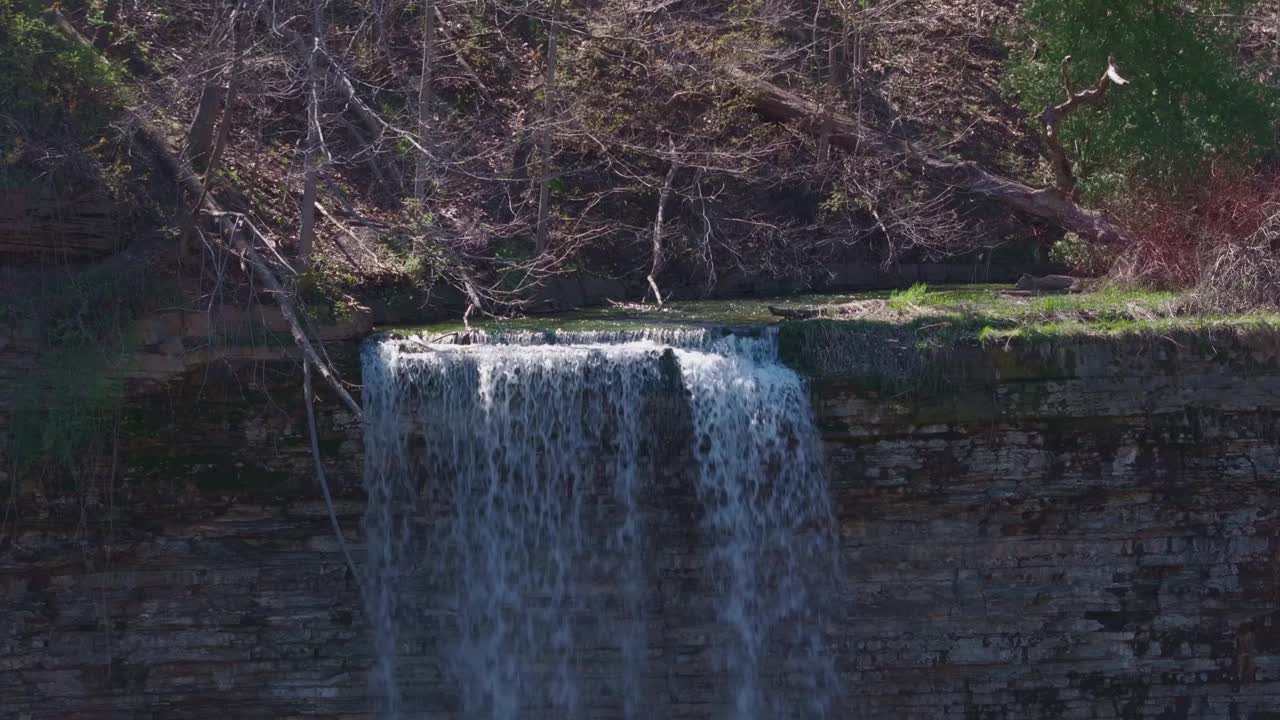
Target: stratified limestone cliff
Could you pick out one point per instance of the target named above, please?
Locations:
(1086, 530)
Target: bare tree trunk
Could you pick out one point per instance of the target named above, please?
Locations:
(782, 105)
(828, 102)
(424, 95)
(664, 195)
(200, 134)
(548, 92)
(239, 30)
(110, 18)
(306, 235)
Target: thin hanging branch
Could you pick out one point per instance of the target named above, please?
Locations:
(321, 480)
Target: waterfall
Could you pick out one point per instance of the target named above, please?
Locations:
(515, 483)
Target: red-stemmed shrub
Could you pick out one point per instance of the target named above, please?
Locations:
(1222, 239)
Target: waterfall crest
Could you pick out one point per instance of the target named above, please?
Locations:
(517, 524)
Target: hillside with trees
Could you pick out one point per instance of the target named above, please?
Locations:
(413, 158)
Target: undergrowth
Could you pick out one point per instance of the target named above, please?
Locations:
(52, 89)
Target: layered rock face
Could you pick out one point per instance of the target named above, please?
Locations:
(1090, 532)
(1083, 531)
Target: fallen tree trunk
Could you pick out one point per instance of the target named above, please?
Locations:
(779, 104)
(852, 309)
(1051, 284)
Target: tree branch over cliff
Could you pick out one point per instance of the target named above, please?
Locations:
(781, 105)
(238, 235)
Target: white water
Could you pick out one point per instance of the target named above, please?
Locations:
(509, 474)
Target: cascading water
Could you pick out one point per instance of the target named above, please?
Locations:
(508, 531)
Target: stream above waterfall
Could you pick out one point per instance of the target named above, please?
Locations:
(555, 515)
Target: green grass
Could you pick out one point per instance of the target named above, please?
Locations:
(917, 341)
(920, 317)
(696, 313)
(987, 300)
(1158, 327)
(914, 295)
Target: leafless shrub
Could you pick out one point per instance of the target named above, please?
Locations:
(1242, 276)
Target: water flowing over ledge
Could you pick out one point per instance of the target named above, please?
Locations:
(518, 491)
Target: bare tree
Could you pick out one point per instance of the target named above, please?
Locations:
(548, 92)
(311, 170)
(425, 95)
(664, 194)
(1052, 204)
(110, 18)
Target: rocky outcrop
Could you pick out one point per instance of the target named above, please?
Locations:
(36, 223)
(1084, 530)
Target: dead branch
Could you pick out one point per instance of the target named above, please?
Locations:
(801, 313)
(349, 233)
(469, 71)
(1050, 284)
(856, 308)
(1064, 176)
